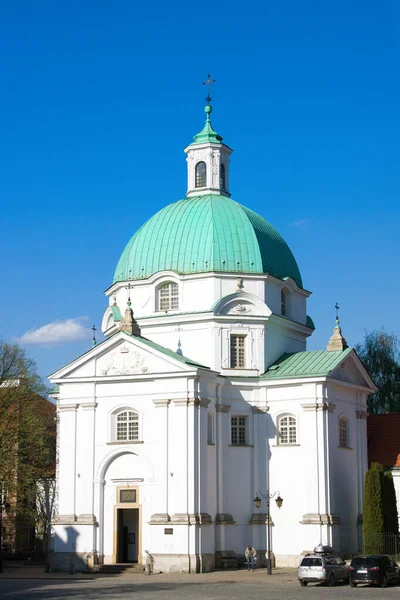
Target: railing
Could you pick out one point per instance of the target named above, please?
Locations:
(373, 543)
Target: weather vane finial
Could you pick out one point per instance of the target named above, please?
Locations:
(337, 313)
(208, 82)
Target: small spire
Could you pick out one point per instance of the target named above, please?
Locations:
(129, 323)
(94, 335)
(337, 342)
(179, 350)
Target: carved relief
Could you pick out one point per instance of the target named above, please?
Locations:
(123, 361)
(239, 309)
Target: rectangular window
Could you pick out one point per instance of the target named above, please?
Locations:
(238, 431)
(238, 352)
(127, 496)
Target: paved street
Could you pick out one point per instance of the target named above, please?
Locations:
(232, 586)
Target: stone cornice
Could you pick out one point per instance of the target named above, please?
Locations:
(67, 407)
(324, 406)
(361, 414)
(160, 519)
(320, 519)
(191, 519)
(223, 408)
(88, 405)
(224, 519)
(260, 409)
(260, 519)
(161, 403)
(202, 402)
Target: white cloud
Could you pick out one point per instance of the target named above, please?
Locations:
(57, 332)
(302, 223)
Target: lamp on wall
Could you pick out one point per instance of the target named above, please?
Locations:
(257, 503)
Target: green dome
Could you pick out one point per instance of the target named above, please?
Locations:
(206, 233)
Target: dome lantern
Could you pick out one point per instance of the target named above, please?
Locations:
(208, 161)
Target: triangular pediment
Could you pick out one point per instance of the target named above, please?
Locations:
(125, 355)
(351, 370)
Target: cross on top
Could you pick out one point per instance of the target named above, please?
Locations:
(337, 311)
(208, 82)
(94, 334)
(129, 287)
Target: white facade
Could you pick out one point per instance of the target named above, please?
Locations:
(188, 475)
(165, 454)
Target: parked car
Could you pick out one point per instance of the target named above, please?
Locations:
(323, 566)
(378, 569)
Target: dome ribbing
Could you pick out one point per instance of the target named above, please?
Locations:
(206, 233)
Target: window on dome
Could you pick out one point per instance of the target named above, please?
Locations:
(287, 430)
(168, 297)
(201, 174)
(126, 426)
(238, 352)
(283, 303)
(343, 433)
(222, 182)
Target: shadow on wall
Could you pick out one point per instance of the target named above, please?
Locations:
(64, 556)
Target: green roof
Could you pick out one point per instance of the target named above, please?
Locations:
(206, 233)
(116, 313)
(316, 363)
(207, 134)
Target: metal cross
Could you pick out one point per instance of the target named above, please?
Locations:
(208, 82)
(94, 334)
(129, 287)
(179, 329)
(337, 311)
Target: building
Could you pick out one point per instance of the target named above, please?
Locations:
(384, 446)
(206, 396)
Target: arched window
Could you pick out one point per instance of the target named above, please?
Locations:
(201, 175)
(126, 426)
(222, 182)
(283, 303)
(287, 430)
(343, 432)
(168, 297)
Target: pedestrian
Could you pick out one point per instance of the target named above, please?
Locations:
(250, 554)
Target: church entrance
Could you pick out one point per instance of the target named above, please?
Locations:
(127, 535)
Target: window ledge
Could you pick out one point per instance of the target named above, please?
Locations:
(121, 443)
(211, 444)
(241, 445)
(285, 445)
(345, 448)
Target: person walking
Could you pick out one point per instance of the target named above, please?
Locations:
(250, 555)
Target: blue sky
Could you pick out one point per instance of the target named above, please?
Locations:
(99, 99)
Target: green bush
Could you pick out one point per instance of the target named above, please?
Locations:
(374, 515)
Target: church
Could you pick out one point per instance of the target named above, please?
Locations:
(202, 405)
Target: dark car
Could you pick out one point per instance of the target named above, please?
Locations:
(378, 569)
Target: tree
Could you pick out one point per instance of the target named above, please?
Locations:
(380, 355)
(27, 434)
(373, 517)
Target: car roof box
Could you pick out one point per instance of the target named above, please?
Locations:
(320, 549)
